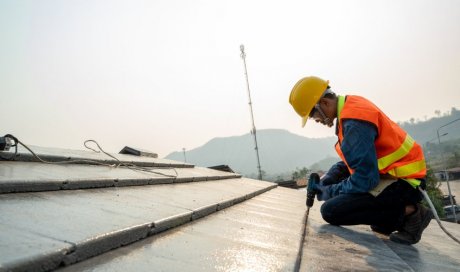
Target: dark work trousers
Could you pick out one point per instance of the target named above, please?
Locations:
(386, 210)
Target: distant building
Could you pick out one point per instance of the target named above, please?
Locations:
(453, 173)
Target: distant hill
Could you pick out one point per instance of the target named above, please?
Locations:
(324, 164)
(280, 152)
(426, 131)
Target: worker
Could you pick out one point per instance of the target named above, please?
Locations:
(381, 166)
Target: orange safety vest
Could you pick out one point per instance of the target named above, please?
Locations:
(397, 153)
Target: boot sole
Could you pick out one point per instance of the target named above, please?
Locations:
(425, 222)
(396, 239)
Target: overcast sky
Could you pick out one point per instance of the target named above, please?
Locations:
(163, 75)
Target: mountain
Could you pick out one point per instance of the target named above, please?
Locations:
(426, 131)
(280, 152)
(324, 164)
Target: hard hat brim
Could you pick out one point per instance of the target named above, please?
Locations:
(304, 120)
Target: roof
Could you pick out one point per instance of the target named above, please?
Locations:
(81, 217)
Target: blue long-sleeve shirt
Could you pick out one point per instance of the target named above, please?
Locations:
(359, 150)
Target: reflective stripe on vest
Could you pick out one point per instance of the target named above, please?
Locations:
(402, 151)
(413, 182)
(340, 104)
(408, 169)
(405, 170)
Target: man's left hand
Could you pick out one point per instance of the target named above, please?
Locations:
(322, 192)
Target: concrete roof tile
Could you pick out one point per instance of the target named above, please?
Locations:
(33, 176)
(239, 238)
(98, 220)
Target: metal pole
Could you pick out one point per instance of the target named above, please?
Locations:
(445, 171)
(253, 132)
(183, 151)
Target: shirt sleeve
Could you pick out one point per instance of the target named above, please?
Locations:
(358, 149)
(336, 174)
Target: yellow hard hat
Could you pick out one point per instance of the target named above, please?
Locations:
(305, 94)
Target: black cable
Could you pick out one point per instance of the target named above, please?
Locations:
(130, 166)
(427, 198)
(15, 140)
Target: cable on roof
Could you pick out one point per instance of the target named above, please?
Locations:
(130, 166)
(427, 198)
(127, 165)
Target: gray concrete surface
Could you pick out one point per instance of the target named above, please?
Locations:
(435, 252)
(94, 221)
(32, 176)
(261, 234)
(351, 248)
(24, 250)
(357, 248)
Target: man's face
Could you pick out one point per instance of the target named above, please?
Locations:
(321, 118)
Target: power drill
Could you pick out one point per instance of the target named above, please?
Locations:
(311, 192)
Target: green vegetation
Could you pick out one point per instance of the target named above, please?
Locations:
(443, 156)
(300, 173)
(433, 191)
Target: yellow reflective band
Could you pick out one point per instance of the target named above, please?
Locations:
(340, 105)
(402, 151)
(408, 169)
(413, 182)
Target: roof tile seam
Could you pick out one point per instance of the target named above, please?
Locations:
(170, 222)
(25, 157)
(204, 211)
(50, 185)
(103, 243)
(42, 262)
(106, 242)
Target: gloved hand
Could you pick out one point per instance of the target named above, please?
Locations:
(336, 173)
(322, 192)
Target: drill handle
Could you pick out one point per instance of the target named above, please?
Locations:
(311, 189)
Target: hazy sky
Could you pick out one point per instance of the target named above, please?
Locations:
(167, 74)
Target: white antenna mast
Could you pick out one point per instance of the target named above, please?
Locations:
(253, 132)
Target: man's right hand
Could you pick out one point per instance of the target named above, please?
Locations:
(321, 190)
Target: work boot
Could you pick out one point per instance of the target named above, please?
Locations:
(413, 227)
(382, 230)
